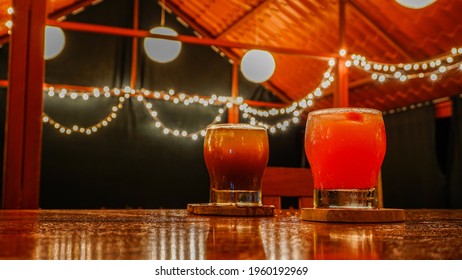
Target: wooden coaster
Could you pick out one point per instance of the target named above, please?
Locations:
(230, 210)
(381, 215)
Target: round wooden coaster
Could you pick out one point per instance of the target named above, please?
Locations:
(381, 215)
(230, 210)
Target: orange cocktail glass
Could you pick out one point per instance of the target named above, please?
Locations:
(345, 148)
(236, 156)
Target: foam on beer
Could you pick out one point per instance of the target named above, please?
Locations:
(244, 126)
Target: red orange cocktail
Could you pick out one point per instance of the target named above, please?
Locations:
(345, 148)
(236, 156)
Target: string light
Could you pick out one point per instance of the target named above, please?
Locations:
(194, 135)
(433, 68)
(186, 100)
(290, 114)
(9, 23)
(87, 130)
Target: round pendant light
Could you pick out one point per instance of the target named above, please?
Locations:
(415, 4)
(54, 42)
(258, 66)
(162, 50)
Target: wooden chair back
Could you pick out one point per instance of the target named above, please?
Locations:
(280, 182)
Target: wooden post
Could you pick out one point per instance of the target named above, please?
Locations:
(233, 112)
(23, 126)
(341, 89)
(134, 60)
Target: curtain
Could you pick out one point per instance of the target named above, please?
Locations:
(412, 177)
(454, 193)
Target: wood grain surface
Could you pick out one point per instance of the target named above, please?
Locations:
(229, 210)
(381, 215)
(178, 235)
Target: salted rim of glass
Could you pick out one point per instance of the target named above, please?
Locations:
(235, 126)
(345, 110)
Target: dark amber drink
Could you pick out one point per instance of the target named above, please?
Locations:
(345, 148)
(236, 156)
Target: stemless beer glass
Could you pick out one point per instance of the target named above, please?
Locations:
(345, 148)
(236, 156)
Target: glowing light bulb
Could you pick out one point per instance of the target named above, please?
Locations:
(415, 4)
(258, 66)
(54, 42)
(162, 50)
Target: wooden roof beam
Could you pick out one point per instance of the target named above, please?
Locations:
(352, 85)
(245, 18)
(227, 51)
(73, 9)
(380, 31)
(61, 14)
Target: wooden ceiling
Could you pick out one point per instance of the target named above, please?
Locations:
(382, 31)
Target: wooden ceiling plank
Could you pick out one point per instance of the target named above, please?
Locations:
(252, 15)
(71, 8)
(380, 31)
(197, 27)
(227, 51)
(290, 16)
(60, 14)
(205, 15)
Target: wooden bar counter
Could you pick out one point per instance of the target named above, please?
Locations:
(175, 234)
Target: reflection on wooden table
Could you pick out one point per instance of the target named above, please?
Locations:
(174, 234)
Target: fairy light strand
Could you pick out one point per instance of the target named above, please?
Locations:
(186, 100)
(87, 130)
(194, 135)
(431, 68)
(9, 22)
(290, 114)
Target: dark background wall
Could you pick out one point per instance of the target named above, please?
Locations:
(132, 164)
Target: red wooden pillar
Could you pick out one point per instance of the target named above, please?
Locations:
(23, 127)
(134, 67)
(341, 89)
(233, 112)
